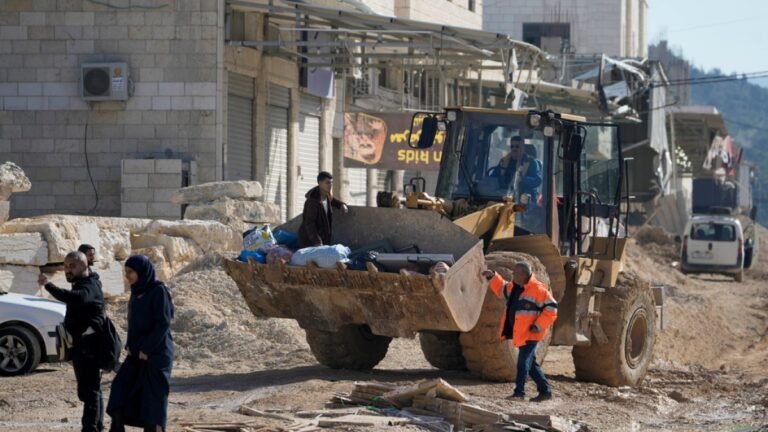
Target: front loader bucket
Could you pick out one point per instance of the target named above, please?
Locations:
(390, 303)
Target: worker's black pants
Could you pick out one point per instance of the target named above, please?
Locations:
(88, 375)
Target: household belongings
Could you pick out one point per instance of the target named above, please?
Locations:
(264, 246)
(258, 239)
(323, 256)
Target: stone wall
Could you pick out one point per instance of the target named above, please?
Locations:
(172, 54)
(147, 186)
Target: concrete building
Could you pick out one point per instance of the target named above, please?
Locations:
(614, 27)
(199, 106)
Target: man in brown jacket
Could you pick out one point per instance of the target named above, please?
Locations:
(317, 223)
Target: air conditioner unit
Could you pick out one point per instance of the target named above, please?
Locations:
(104, 81)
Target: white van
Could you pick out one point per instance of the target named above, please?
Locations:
(713, 244)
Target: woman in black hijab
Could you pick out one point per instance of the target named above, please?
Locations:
(139, 395)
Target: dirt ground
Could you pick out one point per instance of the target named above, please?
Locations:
(710, 371)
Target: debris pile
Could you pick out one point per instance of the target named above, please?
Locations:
(32, 245)
(238, 204)
(431, 405)
(12, 179)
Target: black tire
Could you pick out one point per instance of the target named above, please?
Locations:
(19, 351)
(352, 347)
(748, 257)
(442, 350)
(486, 355)
(628, 318)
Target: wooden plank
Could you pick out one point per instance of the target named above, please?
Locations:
(550, 423)
(363, 420)
(257, 413)
(403, 396)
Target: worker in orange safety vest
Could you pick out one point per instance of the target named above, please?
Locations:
(529, 314)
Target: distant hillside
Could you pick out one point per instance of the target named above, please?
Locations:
(745, 108)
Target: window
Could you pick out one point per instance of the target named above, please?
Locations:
(708, 231)
(471, 5)
(550, 37)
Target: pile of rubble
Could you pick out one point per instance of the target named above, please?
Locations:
(29, 246)
(430, 405)
(238, 204)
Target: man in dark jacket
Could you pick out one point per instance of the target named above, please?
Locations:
(83, 321)
(317, 218)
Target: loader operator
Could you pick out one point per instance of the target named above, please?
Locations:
(517, 160)
(530, 312)
(317, 218)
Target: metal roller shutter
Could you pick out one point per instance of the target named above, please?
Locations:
(239, 127)
(357, 186)
(276, 187)
(309, 147)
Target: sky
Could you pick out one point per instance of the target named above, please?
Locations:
(730, 35)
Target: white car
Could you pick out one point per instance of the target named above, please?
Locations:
(713, 244)
(28, 333)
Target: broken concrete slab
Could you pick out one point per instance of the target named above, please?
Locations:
(62, 236)
(19, 279)
(156, 255)
(113, 283)
(64, 233)
(178, 251)
(12, 179)
(240, 215)
(210, 236)
(206, 192)
(23, 249)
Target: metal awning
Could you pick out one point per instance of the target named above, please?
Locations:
(342, 39)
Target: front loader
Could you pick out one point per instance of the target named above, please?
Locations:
(568, 224)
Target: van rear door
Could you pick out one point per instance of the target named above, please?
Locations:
(714, 243)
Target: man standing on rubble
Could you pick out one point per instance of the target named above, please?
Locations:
(530, 312)
(83, 321)
(317, 218)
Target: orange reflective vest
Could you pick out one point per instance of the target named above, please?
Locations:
(535, 306)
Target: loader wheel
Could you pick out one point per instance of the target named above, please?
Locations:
(442, 350)
(628, 318)
(487, 356)
(352, 347)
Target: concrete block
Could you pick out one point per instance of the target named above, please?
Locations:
(13, 32)
(161, 103)
(182, 102)
(114, 32)
(62, 235)
(19, 279)
(134, 181)
(130, 18)
(145, 89)
(163, 195)
(25, 47)
(23, 249)
(168, 89)
(9, 18)
(80, 46)
(168, 166)
(140, 131)
(140, 32)
(165, 180)
(139, 103)
(158, 47)
(12, 89)
(62, 32)
(133, 209)
(204, 102)
(136, 195)
(151, 74)
(78, 18)
(200, 89)
(60, 89)
(15, 103)
(164, 210)
(163, 32)
(37, 103)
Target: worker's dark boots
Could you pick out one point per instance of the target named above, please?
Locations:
(542, 397)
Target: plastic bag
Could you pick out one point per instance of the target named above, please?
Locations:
(323, 256)
(259, 239)
(279, 254)
(287, 239)
(256, 255)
